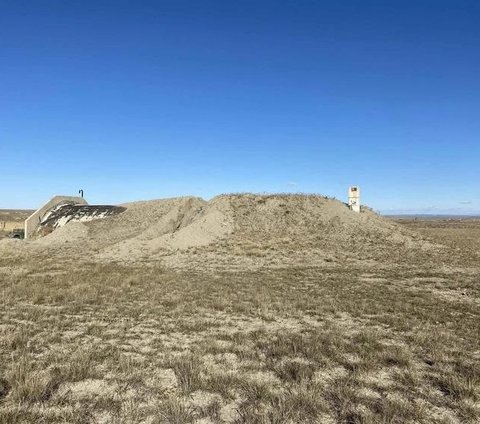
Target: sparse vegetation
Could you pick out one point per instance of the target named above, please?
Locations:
(383, 343)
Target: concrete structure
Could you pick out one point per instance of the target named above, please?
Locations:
(63, 214)
(34, 220)
(354, 199)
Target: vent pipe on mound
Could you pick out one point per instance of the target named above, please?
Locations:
(354, 199)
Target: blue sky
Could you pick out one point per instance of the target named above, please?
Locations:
(133, 100)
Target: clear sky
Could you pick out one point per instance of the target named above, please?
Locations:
(134, 100)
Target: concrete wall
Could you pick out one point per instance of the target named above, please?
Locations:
(34, 220)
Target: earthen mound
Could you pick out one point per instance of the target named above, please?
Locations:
(235, 230)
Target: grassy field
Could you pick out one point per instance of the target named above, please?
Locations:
(104, 343)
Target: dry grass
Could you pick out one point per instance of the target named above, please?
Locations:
(107, 343)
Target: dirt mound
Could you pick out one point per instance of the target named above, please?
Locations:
(242, 230)
(300, 219)
(289, 230)
(149, 229)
